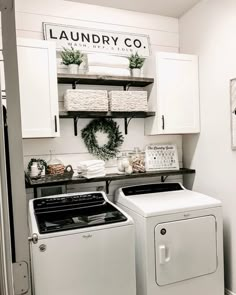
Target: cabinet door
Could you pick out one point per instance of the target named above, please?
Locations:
(38, 88)
(177, 95)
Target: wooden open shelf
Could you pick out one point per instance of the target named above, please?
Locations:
(104, 80)
(124, 81)
(127, 116)
(31, 183)
(88, 114)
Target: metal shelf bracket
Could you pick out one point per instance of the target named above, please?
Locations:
(76, 119)
(74, 83)
(163, 178)
(127, 86)
(127, 121)
(108, 182)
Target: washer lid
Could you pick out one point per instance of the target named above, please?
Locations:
(162, 201)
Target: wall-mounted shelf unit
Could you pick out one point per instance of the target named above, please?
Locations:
(127, 116)
(30, 183)
(124, 81)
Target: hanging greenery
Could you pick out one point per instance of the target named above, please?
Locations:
(40, 163)
(115, 138)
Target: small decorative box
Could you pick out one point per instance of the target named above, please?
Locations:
(128, 101)
(86, 100)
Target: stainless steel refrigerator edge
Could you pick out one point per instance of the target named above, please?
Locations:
(16, 157)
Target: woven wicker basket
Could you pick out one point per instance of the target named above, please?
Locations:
(128, 101)
(86, 100)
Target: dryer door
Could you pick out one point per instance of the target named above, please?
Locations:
(185, 249)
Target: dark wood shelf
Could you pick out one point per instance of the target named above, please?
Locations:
(104, 80)
(31, 183)
(124, 81)
(127, 116)
(88, 114)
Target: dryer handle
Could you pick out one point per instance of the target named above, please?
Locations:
(164, 255)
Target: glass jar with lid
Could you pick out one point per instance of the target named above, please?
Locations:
(123, 164)
(137, 160)
(54, 165)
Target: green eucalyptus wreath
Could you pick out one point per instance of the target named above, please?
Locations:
(115, 138)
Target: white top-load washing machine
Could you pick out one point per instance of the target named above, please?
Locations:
(81, 244)
(178, 239)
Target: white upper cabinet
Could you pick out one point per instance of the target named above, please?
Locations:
(174, 96)
(38, 88)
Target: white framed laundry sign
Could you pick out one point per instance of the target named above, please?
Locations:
(93, 40)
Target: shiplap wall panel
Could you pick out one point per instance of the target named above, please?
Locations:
(91, 13)
(33, 23)
(164, 36)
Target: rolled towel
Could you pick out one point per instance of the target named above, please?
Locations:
(105, 60)
(107, 71)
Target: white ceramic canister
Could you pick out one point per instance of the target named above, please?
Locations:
(34, 172)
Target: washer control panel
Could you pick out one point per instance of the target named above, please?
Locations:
(66, 201)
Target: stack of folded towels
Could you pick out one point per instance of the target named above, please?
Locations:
(92, 168)
(104, 64)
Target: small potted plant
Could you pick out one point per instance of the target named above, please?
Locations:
(37, 168)
(72, 58)
(136, 63)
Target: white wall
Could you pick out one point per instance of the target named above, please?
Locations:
(209, 30)
(163, 32)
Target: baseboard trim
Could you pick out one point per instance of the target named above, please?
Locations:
(228, 292)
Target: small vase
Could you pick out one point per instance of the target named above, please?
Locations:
(73, 69)
(136, 72)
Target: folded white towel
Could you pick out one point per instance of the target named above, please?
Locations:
(108, 71)
(107, 61)
(91, 163)
(102, 171)
(92, 169)
(88, 175)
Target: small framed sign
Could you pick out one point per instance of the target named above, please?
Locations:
(233, 112)
(93, 40)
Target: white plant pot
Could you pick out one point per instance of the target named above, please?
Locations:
(136, 72)
(34, 170)
(73, 69)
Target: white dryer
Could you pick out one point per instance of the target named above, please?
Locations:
(179, 248)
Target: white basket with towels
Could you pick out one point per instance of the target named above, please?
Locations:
(86, 100)
(128, 101)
